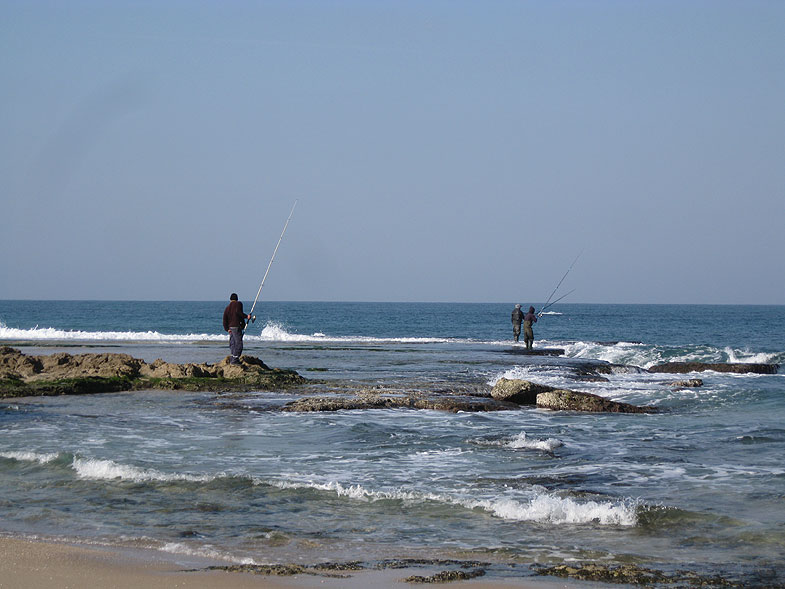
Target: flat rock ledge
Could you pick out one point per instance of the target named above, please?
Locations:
(371, 399)
(735, 367)
(524, 392)
(65, 374)
(630, 574)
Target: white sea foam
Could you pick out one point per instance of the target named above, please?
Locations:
(277, 333)
(23, 456)
(647, 356)
(748, 357)
(615, 353)
(271, 332)
(53, 334)
(96, 469)
(357, 492)
(204, 552)
(542, 507)
(522, 441)
(548, 508)
(529, 372)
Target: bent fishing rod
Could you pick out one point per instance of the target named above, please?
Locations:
(275, 251)
(557, 286)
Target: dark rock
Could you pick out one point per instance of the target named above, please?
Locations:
(590, 375)
(737, 368)
(452, 404)
(280, 570)
(521, 351)
(685, 384)
(576, 401)
(630, 574)
(446, 577)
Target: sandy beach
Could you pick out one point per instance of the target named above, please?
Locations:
(33, 564)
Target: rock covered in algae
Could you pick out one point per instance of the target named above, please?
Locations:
(577, 401)
(64, 374)
(524, 392)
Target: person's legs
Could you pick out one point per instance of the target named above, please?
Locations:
(235, 344)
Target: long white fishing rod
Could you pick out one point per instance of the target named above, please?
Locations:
(558, 285)
(275, 251)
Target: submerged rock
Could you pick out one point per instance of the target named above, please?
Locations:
(736, 368)
(687, 384)
(522, 351)
(452, 404)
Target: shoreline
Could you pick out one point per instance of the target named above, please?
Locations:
(27, 563)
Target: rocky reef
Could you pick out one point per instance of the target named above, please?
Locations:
(735, 367)
(65, 374)
(457, 570)
(24, 375)
(524, 392)
(376, 399)
(630, 574)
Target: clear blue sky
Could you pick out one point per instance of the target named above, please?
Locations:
(440, 150)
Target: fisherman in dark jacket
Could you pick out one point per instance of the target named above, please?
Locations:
(234, 323)
(517, 318)
(528, 334)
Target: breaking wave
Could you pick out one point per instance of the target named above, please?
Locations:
(522, 442)
(271, 332)
(96, 469)
(54, 334)
(540, 506)
(543, 507)
(646, 356)
(22, 456)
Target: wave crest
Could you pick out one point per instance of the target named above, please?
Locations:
(542, 507)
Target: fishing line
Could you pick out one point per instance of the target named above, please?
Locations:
(275, 251)
(557, 300)
(558, 285)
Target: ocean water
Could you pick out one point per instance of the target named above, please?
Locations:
(699, 485)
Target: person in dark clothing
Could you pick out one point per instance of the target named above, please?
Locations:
(517, 319)
(234, 323)
(528, 334)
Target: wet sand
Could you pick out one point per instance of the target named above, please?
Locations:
(26, 564)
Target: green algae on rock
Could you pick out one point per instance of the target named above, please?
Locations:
(65, 374)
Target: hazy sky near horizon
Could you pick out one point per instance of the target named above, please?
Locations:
(439, 151)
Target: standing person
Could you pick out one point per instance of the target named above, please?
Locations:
(528, 334)
(234, 323)
(517, 318)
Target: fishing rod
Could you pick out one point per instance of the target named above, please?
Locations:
(275, 251)
(558, 285)
(556, 301)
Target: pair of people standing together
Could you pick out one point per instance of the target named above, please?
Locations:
(518, 317)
